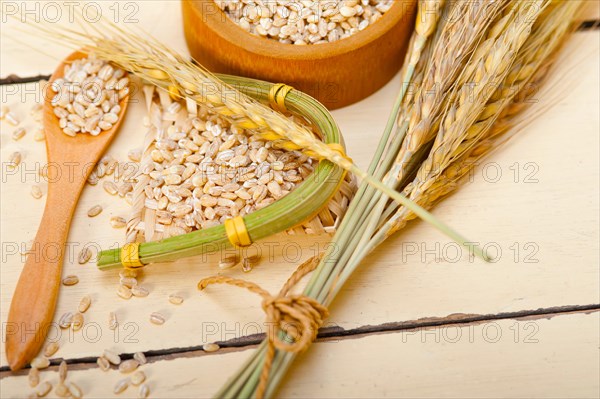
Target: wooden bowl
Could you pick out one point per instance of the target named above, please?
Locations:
(337, 74)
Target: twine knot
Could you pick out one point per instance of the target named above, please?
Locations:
(293, 321)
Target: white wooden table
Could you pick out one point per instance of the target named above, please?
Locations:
(412, 322)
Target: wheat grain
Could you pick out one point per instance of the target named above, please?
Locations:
(51, 349)
(103, 363)
(36, 191)
(65, 320)
(137, 378)
(110, 187)
(84, 304)
(113, 322)
(139, 291)
(118, 222)
(121, 386)
(140, 357)
(70, 280)
(94, 211)
(128, 366)
(61, 390)
(14, 160)
(12, 118)
(305, 22)
(157, 318)
(144, 391)
(112, 357)
(18, 134)
(33, 377)
(84, 256)
(62, 371)
(77, 321)
(43, 389)
(175, 299)
(124, 292)
(40, 362)
(85, 97)
(229, 262)
(210, 347)
(75, 391)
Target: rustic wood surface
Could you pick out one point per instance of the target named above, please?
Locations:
(384, 324)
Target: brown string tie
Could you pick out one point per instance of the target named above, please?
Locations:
(300, 311)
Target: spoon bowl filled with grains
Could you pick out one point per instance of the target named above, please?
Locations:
(339, 52)
(84, 104)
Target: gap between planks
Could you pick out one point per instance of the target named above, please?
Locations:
(332, 333)
(586, 25)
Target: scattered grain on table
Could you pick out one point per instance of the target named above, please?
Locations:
(70, 280)
(51, 349)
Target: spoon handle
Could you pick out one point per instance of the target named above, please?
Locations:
(34, 301)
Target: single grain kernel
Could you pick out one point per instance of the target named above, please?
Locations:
(94, 211)
(121, 386)
(157, 318)
(210, 347)
(103, 364)
(112, 357)
(70, 280)
(14, 160)
(175, 299)
(36, 191)
(84, 304)
(51, 349)
(75, 391)
(12, 118)
(62, 371)
(110, 187)
(61, 390)
(128, 366)
(33, 377)
(128, 282)
(144, 391)
(43, 389)
(128, 273)
(77, 322)
(118, 222)
(65, 320)
(140, 357)
(246, 265)
(40, 362)
(124, 292)
(137, 378)
(113, 323)
(18, 134)
(139, 291)
(84, 256)
(229, 262)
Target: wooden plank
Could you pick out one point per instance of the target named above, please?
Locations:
(535, 357)
(549, 254)
(162, 18)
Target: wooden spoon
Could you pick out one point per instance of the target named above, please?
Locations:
(70, 162)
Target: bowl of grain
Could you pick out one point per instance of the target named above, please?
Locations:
(338, 52)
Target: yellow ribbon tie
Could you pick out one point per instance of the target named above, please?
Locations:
(277, 96)
(130, 255)
(237, 233)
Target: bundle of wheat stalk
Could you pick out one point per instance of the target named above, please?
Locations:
(433, 137)
(157, 64)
